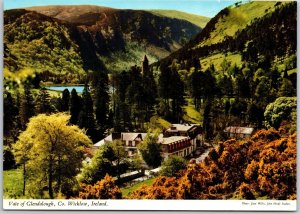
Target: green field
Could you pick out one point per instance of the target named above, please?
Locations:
(200, 21)
(125, 191)
(191, 114)
(12, 183)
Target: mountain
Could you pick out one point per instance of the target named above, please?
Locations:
(233, 19)
(252, 32)
(60, 41)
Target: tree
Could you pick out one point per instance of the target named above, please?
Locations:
(264, 92)
(65, 100)
(101, 164)
(283, 108)
(120, 155)
(22, 154)
(255, 114)
(172, 166)
(99, 82)
(150, 150)
(43, 104)
(171, 90)
(197, 84)
(137, 162)
(136, 97)
(150, 92)
(104, 189)
(208, 130)
(51, 152)
(75, 106)
(8, 158)
(286, 89)
(26, 106)
(10, 120)
(121, 110)
(86, 115)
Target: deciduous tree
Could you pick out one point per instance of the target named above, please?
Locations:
(51, 152)
(150, 150)
(172, 166)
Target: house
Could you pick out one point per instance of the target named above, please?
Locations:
(193, 131)
(130, 141)
(176, 145)
(238, 132)
(179, 139)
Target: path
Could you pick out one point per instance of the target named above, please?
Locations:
(203, 155)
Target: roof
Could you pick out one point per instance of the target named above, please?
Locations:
(130, 136)
(181, 127)
(100, 143)
(127, 136)
(239, 130)
(173, 139)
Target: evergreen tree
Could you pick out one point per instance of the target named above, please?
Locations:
(197, 84)
(177, 95)
(171, 88)
(86, 115)
(101, 97)
(26, 106)
(286, 89)
(75, 106)
(11, 126)
(65, 100)
(122, 113)
(10, 113)
(43, 104)
(136, 97)
(150, 92)
(208, 130)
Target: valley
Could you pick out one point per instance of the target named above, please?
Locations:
(93, 93)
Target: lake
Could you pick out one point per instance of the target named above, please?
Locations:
(78, 88)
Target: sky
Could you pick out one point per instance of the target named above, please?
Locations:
(207, 8)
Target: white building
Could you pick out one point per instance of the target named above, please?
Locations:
(238, 132)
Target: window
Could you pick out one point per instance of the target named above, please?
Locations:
(130, 143)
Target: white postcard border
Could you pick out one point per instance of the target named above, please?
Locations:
(180, 205)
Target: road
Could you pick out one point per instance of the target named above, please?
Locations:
(204, 154)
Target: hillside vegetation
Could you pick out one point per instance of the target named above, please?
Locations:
(233, 19)
(200, 21)
(269, 34)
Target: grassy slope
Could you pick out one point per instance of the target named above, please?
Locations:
(12, 183)
(157, 122)
(125, 191)
(238, 18)
(217, 59)
(191, 114)
(200, 21)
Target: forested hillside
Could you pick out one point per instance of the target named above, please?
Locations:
(269, 36)
(62, 43)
